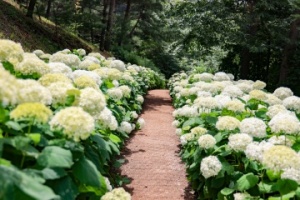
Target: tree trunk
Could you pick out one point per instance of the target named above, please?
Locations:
(30, 9)
(125, 23)
(250, 32)
(289, 49)
(47, 14)
(103, 31)
(134, 27)
(109, 24)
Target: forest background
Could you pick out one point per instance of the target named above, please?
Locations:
(252, 39)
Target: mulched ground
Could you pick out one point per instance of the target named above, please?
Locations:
(152, 161)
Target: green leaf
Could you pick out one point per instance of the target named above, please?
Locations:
(11, 179)
(227, 191)
(53, 156)
(13, 125)
(53, 173)
(65, 188)
(246, 182)
(283, 197)
(35, 137)
(86, 172)
(265, 187)
(114, 138)
(285, 186)
(273, 175)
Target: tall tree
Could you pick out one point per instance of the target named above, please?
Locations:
(104, 22)
(30, 9)
(289, 49)
(109, 25)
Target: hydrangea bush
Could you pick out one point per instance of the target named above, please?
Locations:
(63, 119)
(248, 144)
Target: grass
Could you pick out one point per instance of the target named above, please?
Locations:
(37, 33)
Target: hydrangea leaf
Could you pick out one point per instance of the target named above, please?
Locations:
(246, 182)
(86, 172)
(53, 156)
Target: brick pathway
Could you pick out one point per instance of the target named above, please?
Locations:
(152, 160)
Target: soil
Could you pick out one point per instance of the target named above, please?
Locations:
(152, 154)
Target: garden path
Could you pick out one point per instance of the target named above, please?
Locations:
(152, 154)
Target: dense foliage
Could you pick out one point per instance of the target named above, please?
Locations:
(238, 140)
(63, 119)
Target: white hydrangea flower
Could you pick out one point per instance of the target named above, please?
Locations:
(239, 142)
(93, 59)
(125, 127)
(235, 105)
(140, 99)
(32, 66)
(59, 67)
(281, 140)
(96, 55)
(210, 166)
(184, 92)
(9, 88)
(255, 150)
(275, 109)
(81, 52)
(221, 76)
(118, 64)
(115, 93)
(58, 91)
(175, 123)
(207, 77)
(11, 51)
(38, 52)
(232, 91)
(283, 92)
(69, 59)
(222, 100)
(203, 94)
(117, 194)
(134, 115)
(198, 131)
(231, 76)
(125, 90)
(141, 123)
(47, 79)
(107, 183)
(184, 139)
(208, 87)
(115, 83)
(285, 123)
(107, 119)
(93, 75)
(272, 99)
(74, 122)
(258, 94)
(245, 87)
(85, 64)
(241, 196)
(92, 101)
(227, 123)
(178, 131)
(259, 85)
(206, 102)
(206, 141)
(186, 111)
(32, 91)
(292, 174)
(292, 103)
(254, 127)
(281, 157)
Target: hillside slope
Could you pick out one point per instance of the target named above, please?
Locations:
(36, 34)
